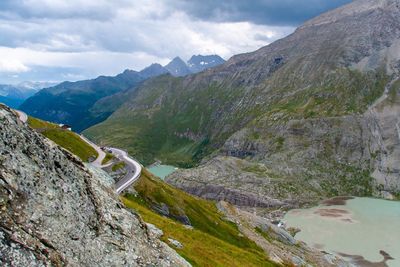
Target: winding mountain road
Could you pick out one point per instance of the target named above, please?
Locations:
(101, 154)
(134, 169)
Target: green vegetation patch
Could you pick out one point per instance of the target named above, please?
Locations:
(346, 92)
(39, 124)
(64, 138)
(118, 166)
(345, 179)
(394, 91)
(72, 142)
(264, 234)
(107, 158)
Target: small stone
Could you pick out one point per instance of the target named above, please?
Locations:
(154, 231)
(297, 261)
(176, 243)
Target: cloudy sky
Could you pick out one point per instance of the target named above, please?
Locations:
(56, 40)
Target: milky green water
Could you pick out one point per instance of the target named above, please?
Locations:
(369, 226)
(162, 170)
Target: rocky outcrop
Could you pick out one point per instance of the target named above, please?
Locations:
(242, 183)
(55, 211)
(233, 196)
(276, 241)
(384, 115)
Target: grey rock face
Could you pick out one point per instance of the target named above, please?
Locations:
(176, 243)
(230, 179)
(154, 231)
(56, 211)
(384, 117)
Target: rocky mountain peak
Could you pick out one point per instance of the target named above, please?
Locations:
(354, 8)
(177, 67)
(57, 211)
(199, 63)
(153, 70)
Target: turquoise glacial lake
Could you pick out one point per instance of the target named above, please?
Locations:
(162, 171)
(364, 227)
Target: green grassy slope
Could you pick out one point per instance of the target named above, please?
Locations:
(213, 241)
(64, 138)
(107, 158)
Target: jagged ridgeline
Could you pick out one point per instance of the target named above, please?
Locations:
(299, 106)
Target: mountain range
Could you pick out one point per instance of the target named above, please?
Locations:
(82, 104)
(312, 115)
(15, 95)
(308, 117)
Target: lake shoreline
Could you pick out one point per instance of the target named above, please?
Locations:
(340, 226)
(160, 170)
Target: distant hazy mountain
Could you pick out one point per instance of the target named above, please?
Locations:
(177, 67)
(36, 86)
(70, 102)
(153, 70)
(14, 95)
(199, 63)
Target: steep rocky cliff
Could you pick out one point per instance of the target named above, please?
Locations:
(55, 211)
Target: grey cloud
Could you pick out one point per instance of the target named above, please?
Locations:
(39, 9)
(43, 35)
(72, 27)
(263, 37)
(268, 12)
(41, 73)
(127, 33)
